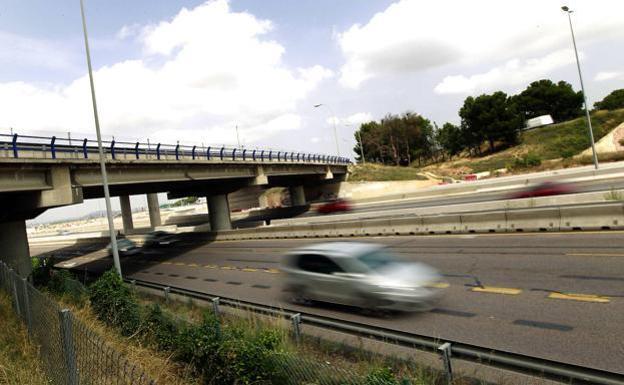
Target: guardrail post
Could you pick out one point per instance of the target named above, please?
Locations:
(270, 155)
(52, 147)
(68, 346)
(298, 154)
(234, 154)
(133, 284)
(177, 151)
(215, 306)
(167, 290)
(292, 156)
(296, 322)
(158, 151)
(253, 155)
(221, 152)
(262, 156)
(445, 351)
(244, 152)
(208, 153)
(112, 149)
(14, 144)
(84, 148)
(136, 150)
(26, 305)
(278, 155)
(193, 152)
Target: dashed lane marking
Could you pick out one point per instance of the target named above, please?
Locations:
(580, 297)
(497, 290)
(438, 285)
(249, 269)
(595, 254)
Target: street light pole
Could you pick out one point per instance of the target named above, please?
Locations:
(109, 211)
(578, 65)
(334, 121)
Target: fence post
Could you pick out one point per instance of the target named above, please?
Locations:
(215, 306)
(445, 351)
(26, 305)
(18, 309)
(296, 322)
(68, 346)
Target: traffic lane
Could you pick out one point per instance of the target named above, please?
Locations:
(540, 262)
(476, 197)
(574, 332)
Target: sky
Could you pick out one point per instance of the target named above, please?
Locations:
(193, 71)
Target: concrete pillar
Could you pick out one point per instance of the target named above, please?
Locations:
(126, 213)
(15, 251)
(219, 210)
(154, 209)
(297, 195)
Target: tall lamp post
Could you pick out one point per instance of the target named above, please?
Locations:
(109, 211)
(578, 65)
(334, 120)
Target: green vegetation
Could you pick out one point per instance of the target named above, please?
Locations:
(19, 363)
(614, 195)
(375, 172)
(613, 101)
(544, 97)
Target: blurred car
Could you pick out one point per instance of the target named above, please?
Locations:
(543, 189)
(125, 247)
(334, 206)
(160, 238)
(359, 274)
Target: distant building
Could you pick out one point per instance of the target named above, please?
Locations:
(538, 122)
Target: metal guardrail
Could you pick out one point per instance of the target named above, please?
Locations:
(15, 145)
(559, 371)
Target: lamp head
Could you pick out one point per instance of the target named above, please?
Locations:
(318, 105)
(565, 8)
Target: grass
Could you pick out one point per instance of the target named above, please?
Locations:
(19, 363)
(375, 172)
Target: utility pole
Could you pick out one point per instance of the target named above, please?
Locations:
(109, 211)
(578, 66)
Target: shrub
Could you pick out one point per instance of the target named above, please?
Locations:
(198, 344)
(160, 328)
(40, 271)
(381, 376)
(528, 160)
(64, 285)
(114, 303)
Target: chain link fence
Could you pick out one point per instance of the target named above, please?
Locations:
(70, 352)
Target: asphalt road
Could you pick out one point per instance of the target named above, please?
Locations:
(521, 273)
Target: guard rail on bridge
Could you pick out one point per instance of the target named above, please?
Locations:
(29, 146)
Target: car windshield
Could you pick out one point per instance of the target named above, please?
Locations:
(378, 260)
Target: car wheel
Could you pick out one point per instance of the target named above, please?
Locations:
(299, 296)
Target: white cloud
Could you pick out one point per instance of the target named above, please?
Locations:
(415, 35)
(514, 73)
(351, 120)
(201, 73)
(615, 75)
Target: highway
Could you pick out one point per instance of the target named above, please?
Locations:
(524, 300)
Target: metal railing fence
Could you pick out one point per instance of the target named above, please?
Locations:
(25, 146)
(71, 353)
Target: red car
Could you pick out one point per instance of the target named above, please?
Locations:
(543, 189)
(334, 206)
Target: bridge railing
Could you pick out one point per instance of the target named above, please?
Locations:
(38, 147)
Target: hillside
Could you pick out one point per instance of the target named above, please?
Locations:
(554, 146)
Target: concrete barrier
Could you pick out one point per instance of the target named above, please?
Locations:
(542, 219)
(593, 217)
(407, 226)
(441, 224)
(495, 221)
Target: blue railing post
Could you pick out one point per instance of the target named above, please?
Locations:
(278, 155)
(193, 152)
(112, 149)
(270, 155)
(244, 152)
(158, 151)
(136, 150)
(253, 155)
(14, 144)
(234, 154)
(221, 153)
(292, 156)
(208, 153)
(298, 155)
(177, 151)
(52, 147)
(262, 155)
(84, 148)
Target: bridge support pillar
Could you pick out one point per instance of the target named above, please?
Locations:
(219, 211)
(154, 210)
(126, 213)
(297, 195)
(15, 251)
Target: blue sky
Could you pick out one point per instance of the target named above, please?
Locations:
(193, 70)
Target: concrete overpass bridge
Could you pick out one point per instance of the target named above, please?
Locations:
(38, 173)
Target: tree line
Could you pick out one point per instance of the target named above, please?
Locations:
(489, 122)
